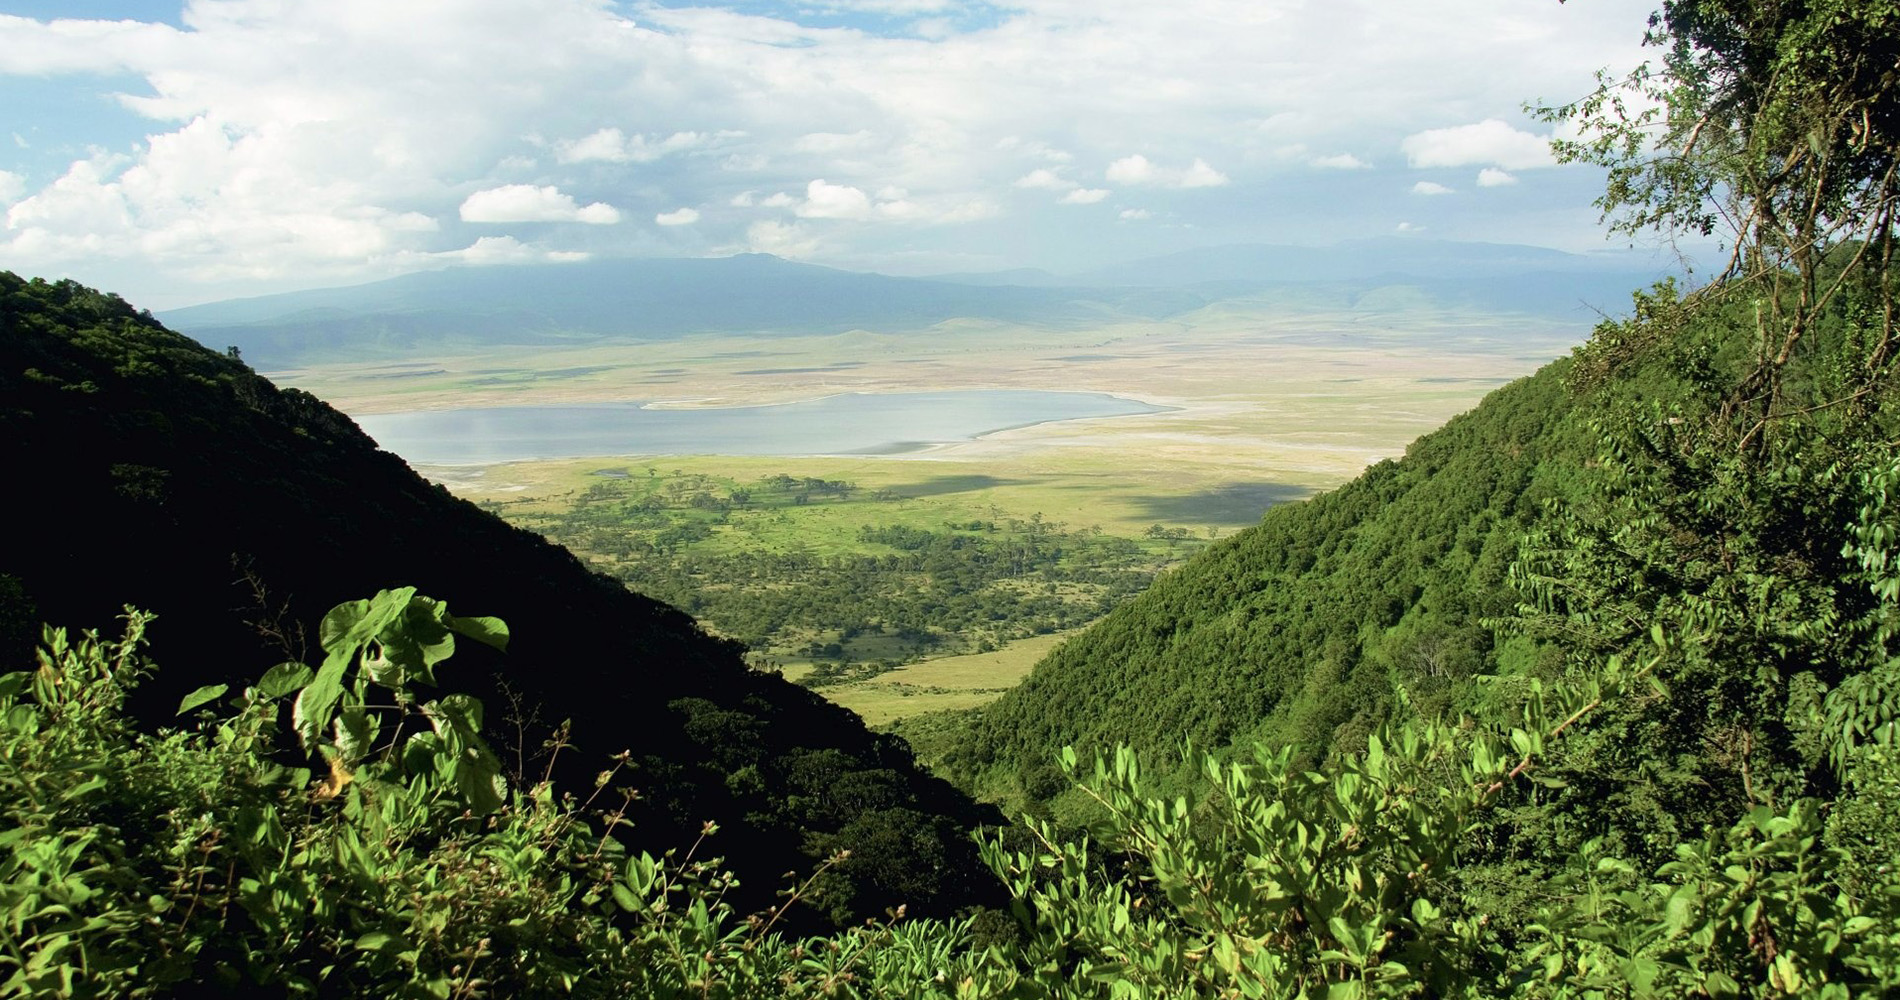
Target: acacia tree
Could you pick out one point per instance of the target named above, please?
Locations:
(1773, 125)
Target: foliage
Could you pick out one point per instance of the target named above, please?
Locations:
(1775, 126)
(169, 864)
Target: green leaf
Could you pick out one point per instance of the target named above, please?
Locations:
(208, 693)
(355, 733)
(310, 714)
(284, 678)
(485, 630)
(375, 941)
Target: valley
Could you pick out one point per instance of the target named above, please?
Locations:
(1263, 406)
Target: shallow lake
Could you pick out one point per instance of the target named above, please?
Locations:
(846, 424)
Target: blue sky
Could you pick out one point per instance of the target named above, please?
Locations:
(181, 152)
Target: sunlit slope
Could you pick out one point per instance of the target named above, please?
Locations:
(153, 472)
(1297, 630)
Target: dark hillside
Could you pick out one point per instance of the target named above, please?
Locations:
(1297, 630)
(150, 471)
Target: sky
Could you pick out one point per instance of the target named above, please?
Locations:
(184, 152)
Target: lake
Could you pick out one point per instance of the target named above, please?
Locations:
(845, 424)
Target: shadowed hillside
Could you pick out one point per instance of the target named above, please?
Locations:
(156, 473)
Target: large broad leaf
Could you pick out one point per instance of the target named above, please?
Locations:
(284, 678)
(355, 733)
(485, 630)
(311, 712)
(210, 692)
(354, 623)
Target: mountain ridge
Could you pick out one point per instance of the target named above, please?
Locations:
(635, 299)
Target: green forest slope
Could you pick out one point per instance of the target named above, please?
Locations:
(1297, 631)
(153, 472)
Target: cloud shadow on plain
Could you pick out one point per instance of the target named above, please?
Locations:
(1235, 504)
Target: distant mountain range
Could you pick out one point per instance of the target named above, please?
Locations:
(664, 298)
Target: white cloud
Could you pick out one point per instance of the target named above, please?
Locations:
(1431, 187)
(938, 211)
(1137, 170)
(1084, 196)
(1044, 179)
(1407, 227)
(678, 217)
(258, 158)
(1487, 142)
(1130, 170)
(1135, 214)
(528, 203)
(1200, 175)
(826, 143)
(781, 238)
(610, 145)
(1491, 177)
(779, 200)
(1341, 161)
(824, 200)
(12, 186)
(491, 250)
(741, 200)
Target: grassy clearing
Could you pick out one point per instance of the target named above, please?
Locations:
(951, 682)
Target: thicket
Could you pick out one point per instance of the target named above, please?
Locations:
(374, 846)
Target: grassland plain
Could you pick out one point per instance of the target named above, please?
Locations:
(1265, 408)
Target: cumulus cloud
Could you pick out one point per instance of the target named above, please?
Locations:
(1045, 179)
(1341, 161)
(1431, 187)
(1200, 175)
(528, 203)
(1407, 227)
(824, 200)
(12, 186)
(678, 217)
(1490, 142)
(1130, 170)
(1491, 177)
(610, 145)
(1137, 170)
(1135, 214)
(257, 157)
(492, 250)
(1084, 196)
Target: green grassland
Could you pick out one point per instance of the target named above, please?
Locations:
(1264, 408)
(946, 683)
(852, 578)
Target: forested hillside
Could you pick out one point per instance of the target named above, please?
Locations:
(1296, 632)
(156, 473)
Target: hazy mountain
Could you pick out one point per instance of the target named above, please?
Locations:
(647, 298)
(660, 298)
